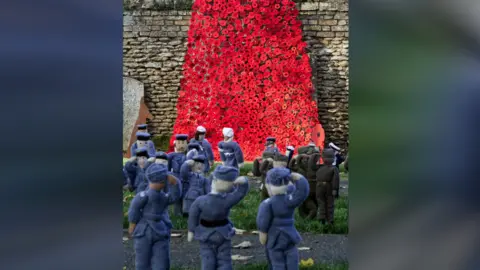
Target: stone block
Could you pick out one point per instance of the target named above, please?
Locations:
(183, 22)
(309, 6)
(329, 22)
(128, 20)
(343, 28)
(341, 16)
(323, 6)
(153, 65)
(325, 34)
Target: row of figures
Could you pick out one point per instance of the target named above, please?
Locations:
(190, 162)
(320, 168)
(179, 179)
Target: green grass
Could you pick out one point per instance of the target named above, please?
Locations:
(244, 214)
(337, 266)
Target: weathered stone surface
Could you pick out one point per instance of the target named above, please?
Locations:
(133, 92)
(155, 43)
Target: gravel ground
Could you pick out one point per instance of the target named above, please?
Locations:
(323, 249)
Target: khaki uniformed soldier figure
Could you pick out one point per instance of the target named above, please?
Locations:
(302, 165)
(328, 182)
(261, 165)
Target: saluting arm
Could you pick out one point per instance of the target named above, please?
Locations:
(302, 189)
(239, 193)
(175, 191)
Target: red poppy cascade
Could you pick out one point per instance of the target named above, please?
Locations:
(246, 68)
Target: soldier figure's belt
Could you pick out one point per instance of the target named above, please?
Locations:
(213, 223)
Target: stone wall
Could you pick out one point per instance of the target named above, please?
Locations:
(154, 46)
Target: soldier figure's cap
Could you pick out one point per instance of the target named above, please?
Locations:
(199, 158)
(141, 152)
(271, 139)
(156, 173)
(142, 126)
(181, 137)
(226, 173)
(278, 177)
(267, 154)
(201, 129)
(161, 155)
(328, 156)
(193, 145)
(334, 147)
(291, 148)
(227, 132)
(142, 136)
(280, 157)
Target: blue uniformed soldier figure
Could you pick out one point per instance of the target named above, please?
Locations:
(206, 147)
(270, 145)
(275, 218)
(230, 152)
(175, 162)
(208, 218)
(198, 185)
(195, 149)
(150, 224)
(143, 140)
(135, 169)
(161, 158)
(338, 157)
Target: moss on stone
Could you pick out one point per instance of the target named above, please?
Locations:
(161, 142)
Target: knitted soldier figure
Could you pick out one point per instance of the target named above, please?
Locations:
(280, 161)
(299, 163)
(208, 218)
(275, 218)
(195, 149)
(302, 165)
(328, 181)
(135, 168)
(207, 148)
(175, 161)
(338, 158)
(230, 152)
(150, 224)
(161, 158)
(261, 165)
(270, 145)
(143, 140)
(192, 173)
